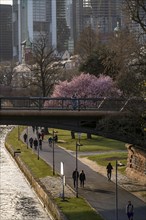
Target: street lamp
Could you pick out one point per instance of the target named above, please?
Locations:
(116, 216)
(77, 169)
(53, 155)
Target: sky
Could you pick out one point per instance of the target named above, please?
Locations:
(9, 2)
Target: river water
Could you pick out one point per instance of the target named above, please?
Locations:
(18, 201)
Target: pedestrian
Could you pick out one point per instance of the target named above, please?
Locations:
(56, 138)
(74, 102)
(31, 142)
(109, 171)
(130, 210)
(75, 176)
(40, 144)
(82, 178)
(50, 140)
(35, 143)
(25, 137)
(42, 134)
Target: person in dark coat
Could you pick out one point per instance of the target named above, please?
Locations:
(35, 143)
(82, 178)
(40, 144)
(31, 141)
(75, 176)
(109, 171)
(25, 137)
(129, 210)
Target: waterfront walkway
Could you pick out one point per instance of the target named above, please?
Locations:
(98, 191)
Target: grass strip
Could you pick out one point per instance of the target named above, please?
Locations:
(39, 168)
(77, 208)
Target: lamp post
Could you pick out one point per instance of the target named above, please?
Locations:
(18, 133)
(38, 143)
(77, 169)
(116, 216)
(53, 155)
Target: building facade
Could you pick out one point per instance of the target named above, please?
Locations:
(34, 17)
(6, 33)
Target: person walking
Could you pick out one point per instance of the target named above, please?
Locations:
(109, 171)
(75, 176)
(130, 210)
(35, 143)
(82, 178)
(40, 144)
(50, 141)
(25, 137)
(31, 142)
(74, 101)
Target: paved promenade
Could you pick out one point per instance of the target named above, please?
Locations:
(98, 191)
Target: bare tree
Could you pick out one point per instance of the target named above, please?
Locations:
(6, 73)
(137, 11)
(44, 74)
(87, 42)
(125, 63)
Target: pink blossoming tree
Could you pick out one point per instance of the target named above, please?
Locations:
(88, 86)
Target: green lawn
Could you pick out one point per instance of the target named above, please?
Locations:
(97, 143)
(104, 159)
(77, 208)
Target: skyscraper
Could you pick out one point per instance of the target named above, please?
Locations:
(5, 32)
(32, 17)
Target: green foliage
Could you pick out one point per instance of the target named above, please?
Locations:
(77, 208)
(93, 65)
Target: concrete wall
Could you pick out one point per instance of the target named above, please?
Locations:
(136, 163)
(39, 188)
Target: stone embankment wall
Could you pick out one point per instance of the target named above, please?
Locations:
(136, 164)
(45, 196)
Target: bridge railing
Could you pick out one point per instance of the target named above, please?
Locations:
(45, 103)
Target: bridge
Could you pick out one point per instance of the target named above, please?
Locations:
(117, 118)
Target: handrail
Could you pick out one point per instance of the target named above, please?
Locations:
(67, 103)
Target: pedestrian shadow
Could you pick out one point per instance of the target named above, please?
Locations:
(99, 191)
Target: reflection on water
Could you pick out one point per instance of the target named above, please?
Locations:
(17, 199)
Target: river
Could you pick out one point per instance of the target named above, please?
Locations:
(18, 201)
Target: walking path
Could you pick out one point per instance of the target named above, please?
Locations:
(100, 193)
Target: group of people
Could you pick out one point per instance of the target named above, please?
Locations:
(51, 139)
(81, 176)
(35, 142)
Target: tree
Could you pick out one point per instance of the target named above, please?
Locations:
(86, 85)
(6, 73)
(87, 43)
(44, 75)
(93, 64)
(124, 61)
(137, 11)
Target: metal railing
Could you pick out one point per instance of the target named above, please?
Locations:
(84, 104)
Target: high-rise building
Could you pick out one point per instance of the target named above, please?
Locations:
(5, 32)
(32, 17)
(101, 15)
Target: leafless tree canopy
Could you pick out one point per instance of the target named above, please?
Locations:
(87, 42)
(44, 76)
(137, 11)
